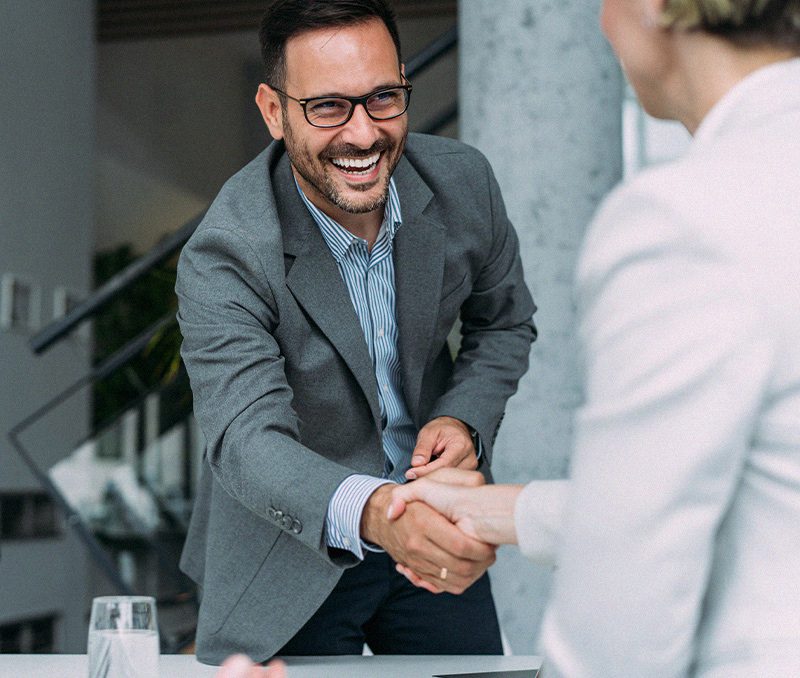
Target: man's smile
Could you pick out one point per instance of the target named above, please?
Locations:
(358, 168)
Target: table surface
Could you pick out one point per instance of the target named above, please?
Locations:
(383, 666)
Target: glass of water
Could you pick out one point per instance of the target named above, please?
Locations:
(123, 637)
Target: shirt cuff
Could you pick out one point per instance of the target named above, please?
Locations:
(343, 520)
(539, 518)
(476, 439)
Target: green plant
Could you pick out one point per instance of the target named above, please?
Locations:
(148, 300)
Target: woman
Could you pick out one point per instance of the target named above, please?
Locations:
(680, 544)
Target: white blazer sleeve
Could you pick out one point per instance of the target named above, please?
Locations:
(538, 515)
(676, 363)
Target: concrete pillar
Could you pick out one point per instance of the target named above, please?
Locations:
(540, 94)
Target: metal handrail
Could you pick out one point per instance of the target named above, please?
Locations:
(104, 295)
(72, 517)
(432, 52)
(109, 291)
(114, 362)
(448, 115)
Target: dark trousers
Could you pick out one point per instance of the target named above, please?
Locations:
(373, 604)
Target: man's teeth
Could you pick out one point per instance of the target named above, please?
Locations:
(356, 163)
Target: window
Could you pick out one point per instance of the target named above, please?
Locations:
(29, 636)
(19, 304)
(28, 515)
(64, 301)
(647, 141)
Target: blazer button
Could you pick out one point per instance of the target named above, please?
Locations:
(286, 522)
(297, 526)
(271, 512)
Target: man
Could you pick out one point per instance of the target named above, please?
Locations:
(315, 302)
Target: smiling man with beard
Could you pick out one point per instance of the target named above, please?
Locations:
(316, 299)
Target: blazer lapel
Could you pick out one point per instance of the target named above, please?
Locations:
(314, 279)
(418, 271)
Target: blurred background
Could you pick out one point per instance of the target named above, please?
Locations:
(119, 122)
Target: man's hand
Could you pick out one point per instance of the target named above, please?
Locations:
(449, 441)
(424, 542)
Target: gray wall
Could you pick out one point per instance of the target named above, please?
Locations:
(541, 97)
(46, 194)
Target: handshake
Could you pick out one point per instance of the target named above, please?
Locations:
(431, 527)
(443, 529)
(436, 529)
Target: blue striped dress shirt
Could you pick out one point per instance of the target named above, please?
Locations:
(369, 276)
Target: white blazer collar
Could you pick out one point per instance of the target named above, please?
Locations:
(768, 91)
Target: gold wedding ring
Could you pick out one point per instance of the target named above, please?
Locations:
(443, 573)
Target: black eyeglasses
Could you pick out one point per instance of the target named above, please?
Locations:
(382, 104)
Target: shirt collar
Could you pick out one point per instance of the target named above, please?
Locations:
(338, 238)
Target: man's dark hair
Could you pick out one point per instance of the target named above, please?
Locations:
(286, 18)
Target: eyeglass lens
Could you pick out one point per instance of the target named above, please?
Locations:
(327, 112)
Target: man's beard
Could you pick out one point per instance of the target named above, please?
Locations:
(313, 170)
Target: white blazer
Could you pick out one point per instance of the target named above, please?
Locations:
(680, 552)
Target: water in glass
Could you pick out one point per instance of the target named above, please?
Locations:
(123, 638)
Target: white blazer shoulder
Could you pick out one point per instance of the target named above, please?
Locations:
(681, 546)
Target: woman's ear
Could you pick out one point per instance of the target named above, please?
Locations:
(653, 11)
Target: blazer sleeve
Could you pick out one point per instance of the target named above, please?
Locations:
(496, 331)
(538, 518)
(677, 362)
(242, 400)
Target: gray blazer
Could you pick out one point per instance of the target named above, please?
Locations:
(284, 387)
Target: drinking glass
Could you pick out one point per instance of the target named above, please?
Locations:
(123, 637)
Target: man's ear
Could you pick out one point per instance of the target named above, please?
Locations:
(269, 104)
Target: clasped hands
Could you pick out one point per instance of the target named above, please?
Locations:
(428, 547)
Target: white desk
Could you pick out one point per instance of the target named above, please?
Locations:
(183, 666)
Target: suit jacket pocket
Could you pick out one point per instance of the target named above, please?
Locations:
(238, 543)
(225, 587)
(289, 585)
(449, 292)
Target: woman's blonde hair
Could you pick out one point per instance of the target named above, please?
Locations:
(745, 22)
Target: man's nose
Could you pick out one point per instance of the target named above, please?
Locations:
(360, 130)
